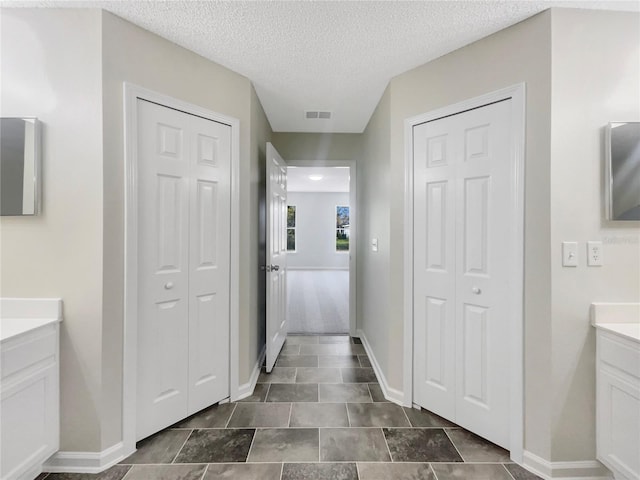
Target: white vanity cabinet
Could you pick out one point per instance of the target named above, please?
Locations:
(618, 396)
(29, 388)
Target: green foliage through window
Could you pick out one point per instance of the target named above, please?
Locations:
(291, 227)
(342, 228)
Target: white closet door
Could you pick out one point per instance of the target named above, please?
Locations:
(434, 266)
(183, 280)
(209, 255)
(462, 243)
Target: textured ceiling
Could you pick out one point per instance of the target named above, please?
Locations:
(317, 55)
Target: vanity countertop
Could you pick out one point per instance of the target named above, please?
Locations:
(619, 318)
(12, 327)
(22, 315)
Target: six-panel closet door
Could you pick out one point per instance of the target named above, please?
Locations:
(184, 261)
(462, 240)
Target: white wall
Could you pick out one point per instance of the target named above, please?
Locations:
(51, 69)
(316, 231)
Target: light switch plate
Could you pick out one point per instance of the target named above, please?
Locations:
(594, 254)
(569, 254)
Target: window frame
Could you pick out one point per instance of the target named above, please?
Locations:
(294, 228)
(336, 228)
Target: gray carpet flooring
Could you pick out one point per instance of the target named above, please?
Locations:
(318, 301)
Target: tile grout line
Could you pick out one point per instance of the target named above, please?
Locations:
(253, 439)
(281, 470)
(346, 405)
(123, 477)
(453, 443)
(204, 474)
(508, 472)
(407, 416)
(387, 444)
(290, 413)
(435, 475)
(183, 444)
(267, 394)
(235, 406)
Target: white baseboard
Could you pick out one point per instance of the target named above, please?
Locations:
(246, 389)
(84, 462)
(581, 470)
(391, 394)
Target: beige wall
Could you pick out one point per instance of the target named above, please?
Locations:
(521, 53)
(595, 80)
(67, 67)
(51, 69)
(374, 198)
(581, 70)
(317, 146)
(164, 67)
(256, 235)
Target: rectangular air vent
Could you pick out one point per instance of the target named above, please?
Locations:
(313, 114)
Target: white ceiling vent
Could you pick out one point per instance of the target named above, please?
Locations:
(316, 114)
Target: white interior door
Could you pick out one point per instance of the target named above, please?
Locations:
(276, 267)
(183, 286)
(463, 238)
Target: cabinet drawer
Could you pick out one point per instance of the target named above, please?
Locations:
(39, 346)
(616, 352)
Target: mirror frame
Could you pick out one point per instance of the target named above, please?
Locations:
(37, 167)
(608, 175)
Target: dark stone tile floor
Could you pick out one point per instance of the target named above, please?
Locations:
(319, 415)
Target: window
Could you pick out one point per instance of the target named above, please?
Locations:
(342, 228)
(291, 228)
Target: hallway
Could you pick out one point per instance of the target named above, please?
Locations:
(319, 415)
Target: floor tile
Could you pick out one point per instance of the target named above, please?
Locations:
(42, 476)
(320, 349)
(520, 473)
(344, 393)
(216, 416)
(353, 445)
(424, 418)
(395, 471)
(290, 350)
(159, 448)
(319, 471)
(216, 446)
(285, 445)
(260, 415)
(376, 393)
(318, 375)
(278, 375)
(243, 471)
(364, 361)
(376, 415)
(166, 472)
(297, 361)
(356, 340)
(470, 471)
(117, 472)
(338, 361)
(349, 349)
(319, 415)
(334, 339)
(420, 445)
(476, 449)
(301, 339)
(293, 392)
(358, 375)
(259, 393)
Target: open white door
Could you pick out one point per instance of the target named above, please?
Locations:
(276, 267)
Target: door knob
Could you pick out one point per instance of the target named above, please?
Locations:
(272, 268)
(168, 285)
(476, 290)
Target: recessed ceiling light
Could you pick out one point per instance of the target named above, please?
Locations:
(315, 178)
